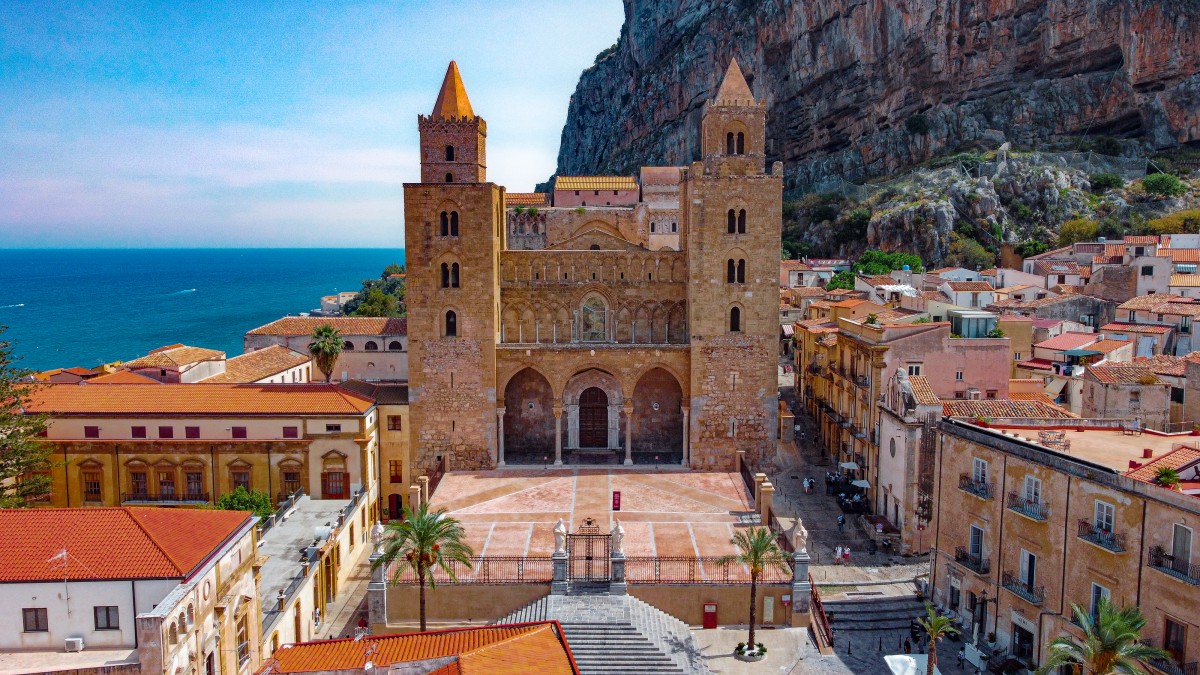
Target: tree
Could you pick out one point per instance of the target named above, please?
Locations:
(325, 348)
(242, 499)
(1111, 643)
(843, 279)
(875, 262)
(936, 627)
(1164, 185)
(1078, 229)
(377, 303)
(968, 253)
(1103, 182)
(24, 461)
(394, 268)
(1180, 222)
(424, 542)
(758, 550)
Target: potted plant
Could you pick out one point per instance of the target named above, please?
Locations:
(746, 652)
(1167, 477)
(1196, 429)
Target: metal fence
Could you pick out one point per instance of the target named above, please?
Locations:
(487, 570)
(691, 570)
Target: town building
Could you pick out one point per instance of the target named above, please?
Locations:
(585, 336)
(178, 363)
(397, 480)
(1034, 516)
(270, 365)
(129, 591)
(375, 348)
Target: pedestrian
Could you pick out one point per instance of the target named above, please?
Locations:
(907, 646)
(961, 657)
(837, 556)
(841, 523)
(846, 555)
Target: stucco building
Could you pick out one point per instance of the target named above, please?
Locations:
(375, 349)
(573, 332)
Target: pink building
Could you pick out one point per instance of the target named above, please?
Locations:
(596, 191)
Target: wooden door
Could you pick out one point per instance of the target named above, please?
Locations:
(593, 418)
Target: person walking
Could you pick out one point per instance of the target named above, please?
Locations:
(846, 555)
(962, 655)
(841, 521)
(837, 556)
(907, 646)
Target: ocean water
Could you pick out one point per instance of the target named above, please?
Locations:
(81, 307)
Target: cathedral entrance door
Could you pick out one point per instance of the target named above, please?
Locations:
(593, 418)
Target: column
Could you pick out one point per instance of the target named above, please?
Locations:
(801, 590)
(766, 492)
(499, 436)
(423, 482)
(628, 435)
(414, 496)
(558, 435)
(685, 412)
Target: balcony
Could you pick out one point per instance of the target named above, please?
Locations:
(1105, 539)
(1030, 508)
(862, 381)
(169, 498)
(979, 488)
(975, 563)
(1173, 667)
(1027, 592)
(1180, 569)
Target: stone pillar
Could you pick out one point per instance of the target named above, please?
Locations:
(572, 410)
(628, 435)
(801, 590)
(499, 436)
(766, 492)
(614, 425)
(616, 584)
(686, 460)
(559, 585)
(759, 479)
(423, 481)
(557, 435)
(414, 496)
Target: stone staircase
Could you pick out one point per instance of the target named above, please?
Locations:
(618, 634)
(884, 613)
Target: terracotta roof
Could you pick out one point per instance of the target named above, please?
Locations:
(79, 370)
(969, 286)
(515, 649)
(1108, 259)
(922, 391)
(1164, 364)
(806, 292)
(1107, 345)
(1036, 364)
(828, 340)
(111, 542)
(260, 364)
(1181, 308)
(940, 270)
(1044, 267)
(1185, 280)
(595, 183)
(1050, 254)
(823, 304)
(989, 272)
(733, 85)
(197, 399)
(878, 280)
(1122, 327)
(526, 199)
(897, 314)
(852, 302)
(346, 325)
(1149, 302)
(934, 295)
(123, 377)
(1001, 407)
(1180, 457)
(1141, 239)
(793, 265)
(452, 102)
(1016, 287)
(1180, 255)
(816, 325)
(1038, 396)
(1122, 373)
(174, 357)
(1068, 340)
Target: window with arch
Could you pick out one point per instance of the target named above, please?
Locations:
(395, 346)
(371, 346)
(449, 275)
(741, 271)
(453, 223)
(449, 178)
(741, 221)
(347, 346)
(674, 227)
(449, 154)
(729, 143)
(593, 315)
(451, 324)
(445, 231)
(735, 271)
(741, 143)
(651, 227)
(731, 221)
(735, 319)
(172, 634)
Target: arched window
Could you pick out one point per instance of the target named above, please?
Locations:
(741, 222)
(446, 224)
(735, 320)
(449, 178)
(594, 325)
(451, 324)
(741, 271)
(729, 147)
(347, 346)
(674, 227)
(730, 271)
(454, 223)
(454, 275)
(731, 221)
(371, 346)
(594, 247)
(173, 634)
(741, 143)
(445, 275)
(449, 154)
(191, 614)
(395, 346)
(651, 227)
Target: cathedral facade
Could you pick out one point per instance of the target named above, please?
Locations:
(632, 322)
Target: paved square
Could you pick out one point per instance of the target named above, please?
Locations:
(664, 512)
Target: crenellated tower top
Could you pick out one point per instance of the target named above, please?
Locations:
(453, 138)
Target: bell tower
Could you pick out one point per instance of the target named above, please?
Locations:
(453, 138)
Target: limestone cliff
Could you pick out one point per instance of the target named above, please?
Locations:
(865, 87)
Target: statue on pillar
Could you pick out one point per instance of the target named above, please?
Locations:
(377, 537)
(800, 537)
(560, 537)
(618, 534)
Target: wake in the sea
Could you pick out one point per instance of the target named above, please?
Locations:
(186, 290)
(19, 304)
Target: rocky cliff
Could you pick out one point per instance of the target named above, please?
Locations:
(865, 87)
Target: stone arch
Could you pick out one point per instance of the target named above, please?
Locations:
(622, 324)
(657, 414)
(641, 324)
(527, 331)
(658, 323)
(614, 395)
(677, 322)
(679, 269)
(528, 416)
(593, 318)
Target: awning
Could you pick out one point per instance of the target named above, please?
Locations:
(788, 330)
(1055, 387)
(909, 664)
(1081, 352)
(853, 466)
(861, 483)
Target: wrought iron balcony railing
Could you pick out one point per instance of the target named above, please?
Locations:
(1030, 508)
(1031, 593)
(979, 488)
(1113, 541)
(1180, 569)
(173, 497)
(975, 563)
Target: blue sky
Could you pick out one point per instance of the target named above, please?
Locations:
(139, 124)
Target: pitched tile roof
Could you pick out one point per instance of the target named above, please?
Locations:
(969, 286)
(174, 357)
(452, 102)
(793, 265)
(346, 325)
(1122, 327)
(1181, 255)
(1164, 364)
(123, 377)
(514, 649)
(852, 302)
(1043, 397)
(1000, 407)
(1036, 364)
(260, 364)
(1185, 280)
(877, 280)
(1068, 340)
(1181, 308)
(197, 399)
(922, 391)
(1149, 302)
(595, 183)
(989, 272)
(1180, 457)
(111, 542)
(1051, 253)
(526, 199)
(1122, 373)
(1107, 345)
(1141, 239)
(1044, 267)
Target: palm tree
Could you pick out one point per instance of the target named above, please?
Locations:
(1167, 477)
(758, 550)
(936, 627)
(325, 348)
(1110, 645)
(424, 542)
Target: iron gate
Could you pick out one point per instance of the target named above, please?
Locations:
(589, 558)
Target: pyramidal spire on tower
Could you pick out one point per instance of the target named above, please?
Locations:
(452, 102)
(733, 86)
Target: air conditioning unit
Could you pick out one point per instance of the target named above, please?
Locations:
(74, 644)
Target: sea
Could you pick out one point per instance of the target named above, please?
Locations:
(85, 307)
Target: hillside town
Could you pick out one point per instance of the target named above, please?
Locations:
(605, 433)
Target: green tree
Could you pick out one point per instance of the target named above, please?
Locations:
(1180, 222)
(424, 542)
(1164, 185)
(1032, 247)
(1103, 182)
(1078, 229)
(242, 499)
(1111, 643)
(967, 253)
(758, 550)
(843, 279)
(394, 268)
(24, 461)
(936, 627)
(325, 348)
(377, 303)
(876, 262)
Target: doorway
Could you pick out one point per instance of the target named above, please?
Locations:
(593, 418)
(1022, 643)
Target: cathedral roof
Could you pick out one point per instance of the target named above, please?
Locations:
(452, 102)
(733, 86)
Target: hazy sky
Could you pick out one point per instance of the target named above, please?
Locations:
(256, 123)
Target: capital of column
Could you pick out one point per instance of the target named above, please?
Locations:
(627, 409)
(558, 410)
(500, 412)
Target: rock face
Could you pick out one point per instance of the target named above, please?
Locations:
(865, 87)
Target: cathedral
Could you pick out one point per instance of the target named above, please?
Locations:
(633, 321)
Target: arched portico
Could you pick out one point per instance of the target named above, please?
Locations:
(658, 417)
(597, 392)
